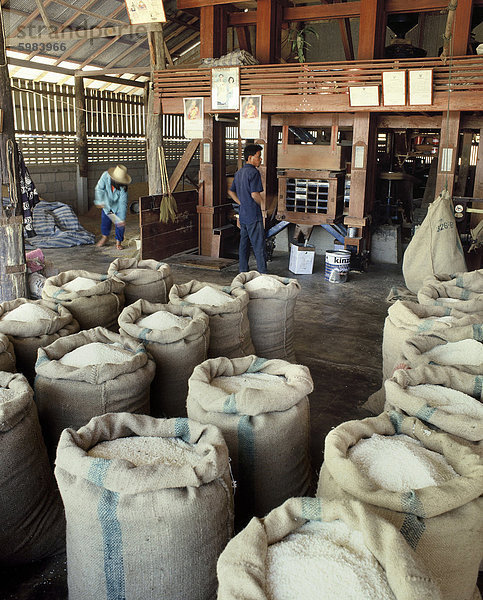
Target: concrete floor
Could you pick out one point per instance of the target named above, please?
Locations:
(338, 336)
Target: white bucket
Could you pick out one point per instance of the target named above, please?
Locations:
(337, 265)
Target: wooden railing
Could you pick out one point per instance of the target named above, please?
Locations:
(325, 86)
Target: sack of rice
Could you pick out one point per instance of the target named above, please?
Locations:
(33, 324)
(262, 410)
(227, 309)
(406, 319)
(31, 511)
(89, 374)
(461, 291)
(307, 549)
(403, 480)
(270, 312)
(149, 507)
(7, 354)
(177, 338)
(147, 279)
(435, 247)
(94, 300)
(444, 397)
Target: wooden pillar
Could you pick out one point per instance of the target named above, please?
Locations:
(268, 168)
(478, 186)
(213, 28)
(81, 145)
(154, 122)
(460, 185)
(13, 279)
(268, 41)
(462, 27)
(448, 152)
(372, 30)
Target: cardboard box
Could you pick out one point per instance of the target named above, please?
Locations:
(301, 259)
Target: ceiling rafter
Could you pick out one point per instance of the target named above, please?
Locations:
(43, 14)
(89, 13)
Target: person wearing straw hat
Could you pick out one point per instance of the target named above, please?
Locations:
(111, 195)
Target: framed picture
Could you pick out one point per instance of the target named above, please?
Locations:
(225, 88)
(145, 11)
(421, 86)
(250, 116)
(193, 117)
(394, 88)
(364, 96)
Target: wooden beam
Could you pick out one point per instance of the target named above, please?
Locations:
(42, 12)
(28, 18)
(448, 143)
(243, 34)
(346, 35)
(268, 31)
(462, 27)
(81, 130)
(213, 25)
(371, 29)
(154, 122)
(118, 71)
(83, 11)
(460, 185)
(183, 164)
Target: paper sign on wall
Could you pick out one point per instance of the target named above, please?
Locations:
(193, 118)
(145, 11)
(250, 117)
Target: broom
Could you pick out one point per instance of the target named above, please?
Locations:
(167, 207)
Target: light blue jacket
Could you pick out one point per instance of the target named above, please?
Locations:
(111, 200)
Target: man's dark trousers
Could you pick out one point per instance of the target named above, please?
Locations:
(254, 234)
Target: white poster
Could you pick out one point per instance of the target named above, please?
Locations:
(145, 11)
(193, 118)
(421, 86)
(250, 117)
(394, 88)
(225, 88)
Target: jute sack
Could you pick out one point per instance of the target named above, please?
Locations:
(229, 325)
(147, 279)
(435, 247)
(441, 523)
(31, 511)
(28, 337)
(271, 315)
(7, 354)
(443, 406)
(242, 568)
(406, 319)
(266, 430)
(98, 306)
(69, 396)
(176, 352)
(144, 532)
(461, 291)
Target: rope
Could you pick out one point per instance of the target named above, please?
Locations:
(12, 175)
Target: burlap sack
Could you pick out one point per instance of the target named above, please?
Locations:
(267, 432)
(465, 422)
(144, 532)
(70, 396)
(7, 355)
(271, 316)
(242, 569)
(31, 511)
(461, 291)
(229, 326)
(435, 247)
(99, 306)
(175, 351)
(28, 337)
(147, 279)
(441, 524)
(406, 319)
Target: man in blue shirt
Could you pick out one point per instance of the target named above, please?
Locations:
(245, 191)
(111, 195)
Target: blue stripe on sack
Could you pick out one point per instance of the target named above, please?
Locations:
(465, 295)
(478, 332)
(413, 526)
(58, 292)
(447, 312)
(256, 365)
(41, 360)
(286, 280)
(425, 413)
(246, 454)
(144, 333)
(226, 289)
(396, 420)
(140, 351)
(459, 282)
(111, 532)
(312, 509)
(229, 406)
(478, 389)
(425, 325)
(104, 277)
(182, 429)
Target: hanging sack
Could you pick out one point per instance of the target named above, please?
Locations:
(265, 422)
(229, 326)
(33, 324)
(69, 396)
(97, 306)
(145, 279)
(7, 354)
(31, 511)
(270, 313)
(461, 291)
(443, 397)
(435, 247)
(144, 531)
(441, 524)
(176, 349)
(246, 570)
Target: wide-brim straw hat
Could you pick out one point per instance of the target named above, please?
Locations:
(119, 174)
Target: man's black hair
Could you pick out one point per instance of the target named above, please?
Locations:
(251, 150)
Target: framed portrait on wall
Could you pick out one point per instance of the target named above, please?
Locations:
(225, 88)
(250, 116)
(193, 118)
